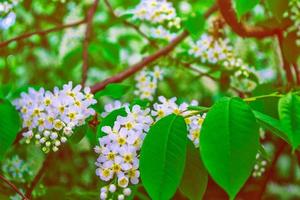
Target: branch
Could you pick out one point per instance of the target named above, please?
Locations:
(243, 30)
(39, 175)
(140, 65)
(286, 65)
(41, 32)
(143, 63)
(297, 72)
(13, 187)
(89, 21)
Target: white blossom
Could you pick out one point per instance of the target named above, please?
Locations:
(52, 116)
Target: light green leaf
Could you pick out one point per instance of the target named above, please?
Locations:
(113, 90)
(163, 157)
(229, 142)
(271, 124)
(109, 120)
(289, 114)
(9, 126)
(244, 6)
(194, 180)
(195, 24)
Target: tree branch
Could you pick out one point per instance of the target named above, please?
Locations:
(38, 176)
(41, 32)
(286, 65)
(143, 63)
(243, 30)
(140, 65)
(13, 187)
(89, 21)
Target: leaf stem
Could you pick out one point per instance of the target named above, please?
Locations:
(275, 94)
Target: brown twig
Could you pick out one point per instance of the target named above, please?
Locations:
(297, 72)
(85, 53)
(149, 59)
(243, 30)
(286, 66)
(41, 32)
(13, 187)
(140, 65)
(38, 176)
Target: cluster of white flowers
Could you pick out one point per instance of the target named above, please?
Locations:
(157, 12)
(259, 167)
(161, 14)
(147, 83)
(16, 169)
(294, 15)
(7, 15)
(51, 116)
(118, 151)
(218, 51)
(166, 107)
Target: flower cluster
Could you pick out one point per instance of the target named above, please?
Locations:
(294, 15)
(161, 14)
(168, 106)
(7, 15)
(147, 83)
(259, 167)
(218, 51)
(118, 151)
(157, 12)
(51, 116)
(16, 169)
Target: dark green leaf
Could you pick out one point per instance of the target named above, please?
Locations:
(229, 142)
(113, 90)
(289, 114)
(109, 120)
(271, 124)
(163, 155)
(9, 126)
(195, 24)
(244, 6)
(194, 180)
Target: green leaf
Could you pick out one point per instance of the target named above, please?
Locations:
(194, 180)
(229, 142)
(244, 6)
(109, 120)
(271, 124)
(113, 90)
(163, 157)
(79, 133)
(9, 126)
(277, 8)
(195, 24)
(289, 114)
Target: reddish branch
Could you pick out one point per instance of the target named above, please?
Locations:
(140, 65)
(89, 22)
(297, 72)
(243, 30)
(286, 65)
(13, 187)
(149, 59)
(39, 175)
(41, 32)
